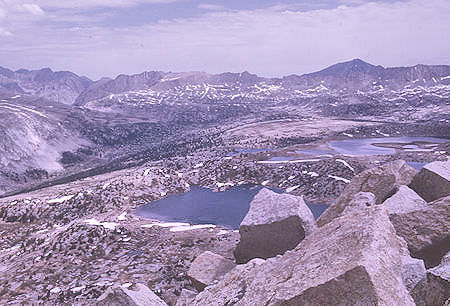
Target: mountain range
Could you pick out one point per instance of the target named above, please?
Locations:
(69, 88)
(54, 123)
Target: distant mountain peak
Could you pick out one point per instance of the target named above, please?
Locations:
(344, 69)
(358, 61)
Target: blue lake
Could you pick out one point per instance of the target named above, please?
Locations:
(417, 165)
(366, 146)
(203, 206)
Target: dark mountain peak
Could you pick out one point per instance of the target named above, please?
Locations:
(6, 72)
(45, 70)
(44, 75)
(22, 71)
(350, 69)
(359, 62)
(243, 77)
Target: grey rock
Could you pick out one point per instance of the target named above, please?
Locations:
(382, 181)
(207, 268)
(439, 282)
(426, 230)
(139, 296)
(274, 224)
(433, 181)
(404, 200)
(186, 297)
(360, 201)
(435, 287)
(413, 269)
(353, 260)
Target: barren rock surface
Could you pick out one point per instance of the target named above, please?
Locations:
(381, 181)
(433, 181)
(404, 200)
(208, 268)
(363, 267)
(141, 295)
(274, 224)
(426, 230)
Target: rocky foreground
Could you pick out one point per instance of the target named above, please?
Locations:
(384, 241)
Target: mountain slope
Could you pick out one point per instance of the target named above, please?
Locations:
(61, 86)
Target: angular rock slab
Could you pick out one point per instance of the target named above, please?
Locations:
(274, 224)
(207, 268)
(439, 282)
(433, 181)
(426, 231)
(413, 270)
(186, 297)
(435, 288)
(404, 200)
(140, 296)
(354, 260)
(382, 181)
(360, 201)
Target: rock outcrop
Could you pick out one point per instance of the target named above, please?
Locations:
(140, 296)
(186, 297)
(360, 201)
(435, 287)
(433, 181)
(413, 270)
(438, 280)
(353, 260)
(382, 181)
(426, 230)
(208, 268)
(404, 200)
(274, 224)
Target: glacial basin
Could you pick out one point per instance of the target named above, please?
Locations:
(203, 206)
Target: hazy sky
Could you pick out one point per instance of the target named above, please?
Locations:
(271, 38)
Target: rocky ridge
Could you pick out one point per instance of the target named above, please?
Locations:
(61, 86)
(336, 264)
(72, 246)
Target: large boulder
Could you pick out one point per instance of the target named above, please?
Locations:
(140, 295)
(438, 280)
(382, 181)
(435, 289)
(433, 181)
(207, 268)
(274, 224)
(404, 200)
(360, 201)
(426, 230)
(354, 260)
(186, 297)
(413, 270)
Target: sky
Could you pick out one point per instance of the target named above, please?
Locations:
(99, 38)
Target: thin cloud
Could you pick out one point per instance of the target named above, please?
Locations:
(87, 4)
(264, 41)
(210, 7)
(4, 32)
(33, 9)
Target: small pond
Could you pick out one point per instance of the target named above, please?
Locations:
(203, 206)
